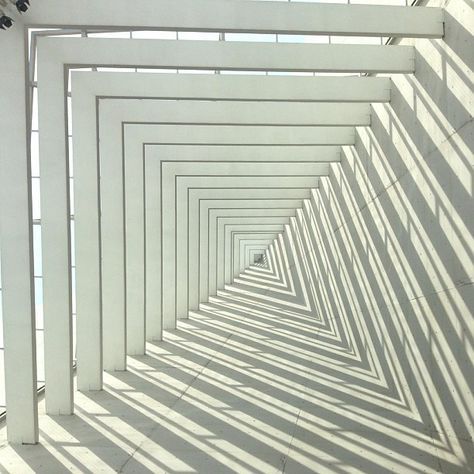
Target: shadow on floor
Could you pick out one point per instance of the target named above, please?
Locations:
(248, 384)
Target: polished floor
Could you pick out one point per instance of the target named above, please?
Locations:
(255, 382)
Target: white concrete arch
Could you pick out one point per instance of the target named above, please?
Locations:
(348, 345)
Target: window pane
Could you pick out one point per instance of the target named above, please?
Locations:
(38, 263)
(39, 302)
(35, 193)
(34, 117)
(35, 166)
(169, 35)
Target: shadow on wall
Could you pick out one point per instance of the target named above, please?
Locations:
(392, 231)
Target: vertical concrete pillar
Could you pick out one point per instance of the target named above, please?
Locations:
(154, 323)
(16, 246)
(181, 255)
(135, 245)
(55, 232)
(168, 275)
(112, 247)
(88, 252)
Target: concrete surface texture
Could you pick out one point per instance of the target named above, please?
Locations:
(254, 382)
(271, 274)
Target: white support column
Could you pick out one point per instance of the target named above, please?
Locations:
(182, 253)
(168, 291)
(135, 245)
(16, 245)
(55, 221)
(154, 321)
(88, 255)
(113, 248)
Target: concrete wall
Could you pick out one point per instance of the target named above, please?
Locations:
(392, 234)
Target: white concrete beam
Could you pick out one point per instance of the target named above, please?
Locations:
(192, 243)
(246, 246)
(225, 247)
(112, 113)
(226, 225)
(229, 55)
(201, 200)
(241, 17)
(196, 112)
(288, 187)
(253, 254)
(171, 190)
(87, 86)
(237, 135)
(232, 87)
(72, 54)
(206, 135)
(85, 56)
(236, 186)
(240, 249)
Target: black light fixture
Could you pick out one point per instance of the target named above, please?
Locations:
(22, 5)
(5, 21)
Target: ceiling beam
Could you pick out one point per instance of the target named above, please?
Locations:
(232, 87)
(239, 113)
(230, 55)
(240, 17)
